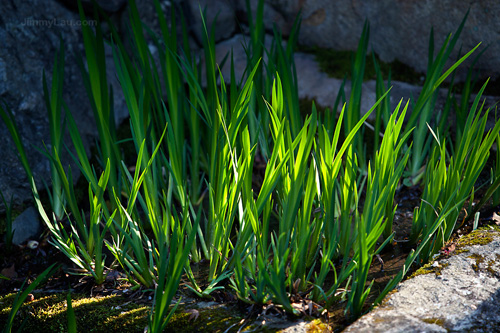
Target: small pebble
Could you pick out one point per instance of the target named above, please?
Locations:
(32, 245)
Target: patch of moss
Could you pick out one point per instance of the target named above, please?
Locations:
(104, 314)
(490, 269)
(338, 64)
(479, 260)
(211, 319)
(480, 236)
(435, 321)
(317, 326)
(428, 269)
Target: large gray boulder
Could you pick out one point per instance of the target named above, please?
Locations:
(29, 35)
(459, 294)
(398, 29)
(220, 11)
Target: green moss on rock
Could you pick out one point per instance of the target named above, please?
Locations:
(428, 269)
(479, 259)
(481, 236)
(435, 321)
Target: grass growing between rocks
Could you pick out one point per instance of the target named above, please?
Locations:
(302, 236)
(337, 64)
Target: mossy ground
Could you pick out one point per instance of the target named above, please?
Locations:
(47, 313)
(212, 319)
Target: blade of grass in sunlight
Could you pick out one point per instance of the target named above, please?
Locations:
(389, 164)
(424, 108)
(383, 112)
(133, 249)
(454, 179)
(378, 210)
(177, 98)
(83, 245)
(170, 268)
(255, 52)
(462, 109)
(70, 313)
(337, 230)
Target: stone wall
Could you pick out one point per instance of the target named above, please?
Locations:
(399, 29)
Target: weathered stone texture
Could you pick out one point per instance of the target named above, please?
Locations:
(465, 296)
(399, 28)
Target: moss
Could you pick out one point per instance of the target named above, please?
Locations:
(480, 236)
(338, 64)
(103, 314)
(435, 321)
(479, 260)
(490, 269)
(428, 269)
(317, 326)
(211, 319)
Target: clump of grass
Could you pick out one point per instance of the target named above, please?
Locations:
(190, 195)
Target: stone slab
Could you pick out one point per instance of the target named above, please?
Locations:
(464, 296)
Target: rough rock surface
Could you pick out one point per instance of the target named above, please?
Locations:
(312, 83)
(29, 35)
(220, 11)
(398, 29)
(26, 226)
(464, 295)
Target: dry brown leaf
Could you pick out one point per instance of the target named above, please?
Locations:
(9, 272)
(194, 314)
(299, 306)
(448, 249)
